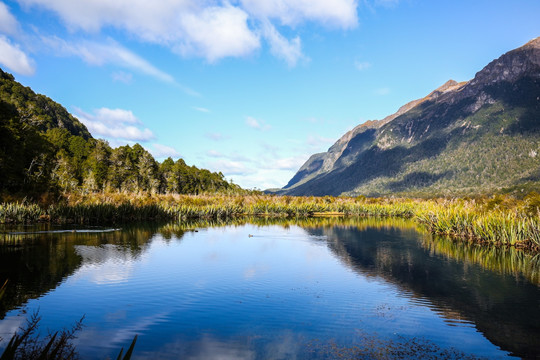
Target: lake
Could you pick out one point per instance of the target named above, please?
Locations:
(271, 289)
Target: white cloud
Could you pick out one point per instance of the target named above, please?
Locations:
(263, 178)
(201, 109)
(257, 124)
(121, 76)
(318, 141)
(113, 116)
(263, 171)
(121, 132)
(189, 27)
(288, 163)
(99, 54)
(163, 151)
(12, 57)
(280, 47)
(8, 24)
(214, 153)
(236, 157)
(209, 28)
(229, 167)
(216, 33)
(115, 124)
(338, 13)
(362, 65)
(107, 264)
(149, 20)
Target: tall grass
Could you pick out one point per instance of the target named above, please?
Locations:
(498, 220)
(480, 222)
(20, 213)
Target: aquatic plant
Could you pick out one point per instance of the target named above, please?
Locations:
(498, 220)
(27, 345)
(20, 213)
(468, 220)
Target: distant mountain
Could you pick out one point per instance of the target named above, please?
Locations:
(46, 150)
(476, 137)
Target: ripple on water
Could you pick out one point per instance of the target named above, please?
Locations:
(271, 293)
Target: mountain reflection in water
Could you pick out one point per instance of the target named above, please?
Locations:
(494, 290)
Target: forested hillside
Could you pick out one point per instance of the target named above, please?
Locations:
(44, 149)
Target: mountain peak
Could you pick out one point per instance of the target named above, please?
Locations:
(463, 137)
(510, 66)
(447, 86)
(534, 43)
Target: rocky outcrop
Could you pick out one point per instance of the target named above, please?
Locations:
(428, 128)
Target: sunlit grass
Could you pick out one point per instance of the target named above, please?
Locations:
(498, 220)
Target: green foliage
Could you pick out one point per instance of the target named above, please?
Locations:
(27, 345)
(20, 213)
(38, 110)
(24, 154)
(45, 149)
(500, 220)
(497, 221)
(129, 352)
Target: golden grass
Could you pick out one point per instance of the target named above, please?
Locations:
(498, 220)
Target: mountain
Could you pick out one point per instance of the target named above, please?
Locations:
(44, 150)
(476, 137)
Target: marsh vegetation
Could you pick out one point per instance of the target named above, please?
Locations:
(498, 220)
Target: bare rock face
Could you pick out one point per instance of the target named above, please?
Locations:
(512, 65)
(367, 152)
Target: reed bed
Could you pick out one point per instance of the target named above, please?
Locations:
(480, 223)
(498, 220)
(20, 213)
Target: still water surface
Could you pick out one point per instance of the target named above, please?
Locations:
(261, 289)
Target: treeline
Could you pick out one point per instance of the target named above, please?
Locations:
(43, 149)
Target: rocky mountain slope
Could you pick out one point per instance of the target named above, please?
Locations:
(480, 136)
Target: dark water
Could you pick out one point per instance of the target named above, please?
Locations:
(260, 289)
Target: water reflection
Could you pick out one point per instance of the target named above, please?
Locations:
(505, 261)
(451, 276)
(493, 290)
(34, 264)
(105, 264)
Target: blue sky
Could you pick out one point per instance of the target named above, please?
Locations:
(251, 88)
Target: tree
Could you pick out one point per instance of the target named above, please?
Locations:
(121, 171)
(169, 183)
(97, 165)
(148, 179)
(64, 172)
(24, 154)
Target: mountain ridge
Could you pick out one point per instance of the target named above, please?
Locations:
(404, 152)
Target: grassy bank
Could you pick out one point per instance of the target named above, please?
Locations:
(498, 220)
(514, 226)
(120, 207)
